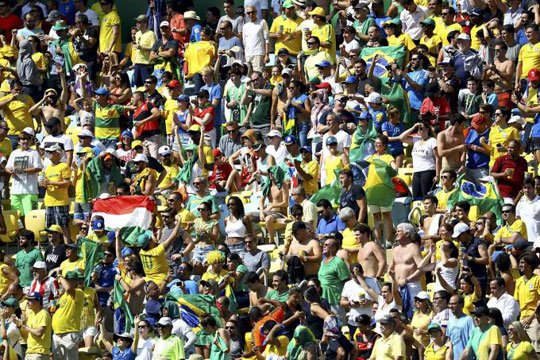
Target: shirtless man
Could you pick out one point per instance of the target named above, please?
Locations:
(279, 100)
(450, 145)
(502, 71)
(257, 290)
(406, 258)
(51, 105)
(307, 249)
(278, 200)
(433, 219)
(371, 256)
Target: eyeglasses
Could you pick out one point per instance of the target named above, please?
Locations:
(230, 131)
(201, 209)
(482, 112)
(196, 183)
(143, 326)
(250, 12)
(230, 327)
(415, 58)
(230, 205)
(291, 87)
(84, 228)
(444, 177)
(498, 114)
(148, 83)
(108, 254)
(445, 13)
(507, 211)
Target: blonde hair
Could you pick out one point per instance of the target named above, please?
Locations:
(520, 331)
(207, 70)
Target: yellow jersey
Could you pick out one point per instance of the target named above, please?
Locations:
(198, 55)
(155, 264)
(172, 172)
(442, 30)
(67, 265)
(287, 26)
(108, 22)
(56, 195)
(475, 41)
(529, 56)
(507, 231)
(326, 33)
(147, 41)
(68, 316)
(527, 294)
(503, 137)
(403, 39)
(39, 344)
(16, 113)
(388, 348)
(169, 109)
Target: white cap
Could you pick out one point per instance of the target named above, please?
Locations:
(165, 321)
(40, 265)
(459, 229)
(422, 295)
(111, 151)
(141, 158)
(104, 196)
(374, 98)
(516, 119)
(464, 36)
(29, 131)
(273, 133)
(85, 133)
(54, 148)
(164, 150)
(164, 23)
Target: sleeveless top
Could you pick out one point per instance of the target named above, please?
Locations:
(235, 229)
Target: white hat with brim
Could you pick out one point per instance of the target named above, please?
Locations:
(191, 15)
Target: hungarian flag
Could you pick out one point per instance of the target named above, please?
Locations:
(131, 214)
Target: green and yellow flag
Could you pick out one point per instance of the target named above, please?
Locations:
(379, 187)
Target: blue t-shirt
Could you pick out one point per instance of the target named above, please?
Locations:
(535, 132)
(459, 331)
(416, 97)
(68, 10)
(493, 100)
(215, 93)
(331, 226)
(521, 38)
(106, 279)
(195, 33)
(379, 118)
(127, 354)
(477, 160)
(292, 110)
(394, 147)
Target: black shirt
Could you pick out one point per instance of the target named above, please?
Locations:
(169, 44)
(55, 255)
(87, 52)
(349, 197)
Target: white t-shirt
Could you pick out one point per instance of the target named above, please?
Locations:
(91, 15)
(64, 141)
(24, 183)
(279, 154)
(353, 45)
(144, 349)
(255, 37)
(529, 212)
(184, 332)
(423, 158)
(353, 291)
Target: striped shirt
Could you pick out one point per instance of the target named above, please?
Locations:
(108, 121)
(48, 289)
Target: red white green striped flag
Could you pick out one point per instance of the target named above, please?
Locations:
(131, 214)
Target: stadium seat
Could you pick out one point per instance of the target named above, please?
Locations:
(35, 222)
(11, 218)
(406, 175)
(417, 210)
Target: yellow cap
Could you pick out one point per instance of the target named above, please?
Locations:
(318, 11)
(136, 143)
(194, 127)
(54, 228)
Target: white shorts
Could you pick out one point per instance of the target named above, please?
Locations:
(89, 331)
(375, 209)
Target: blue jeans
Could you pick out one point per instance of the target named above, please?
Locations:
(303, 130)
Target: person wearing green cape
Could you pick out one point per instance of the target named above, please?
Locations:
(276, 191)
(363, 138)
(192, 162)
(302, 345)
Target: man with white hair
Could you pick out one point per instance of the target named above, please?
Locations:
(406, 258)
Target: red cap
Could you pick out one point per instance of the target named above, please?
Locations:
(217, 152)
(477, 120)
(173, 84)
(534, 74)
(324, 85)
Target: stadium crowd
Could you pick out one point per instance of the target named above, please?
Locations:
(285, 179)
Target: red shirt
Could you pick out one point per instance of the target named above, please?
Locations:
(149, 128)
(200, 113)
(510, 186)
(220, 173)
(438, 105)
(9, 23)
(177, 22)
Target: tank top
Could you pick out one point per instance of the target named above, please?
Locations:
(4, 281)
(235, 229)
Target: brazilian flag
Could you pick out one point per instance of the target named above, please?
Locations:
(331, 192)
(123, 314)
(483, 195)
(389, 55)
(379, 187)
(193, 307)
